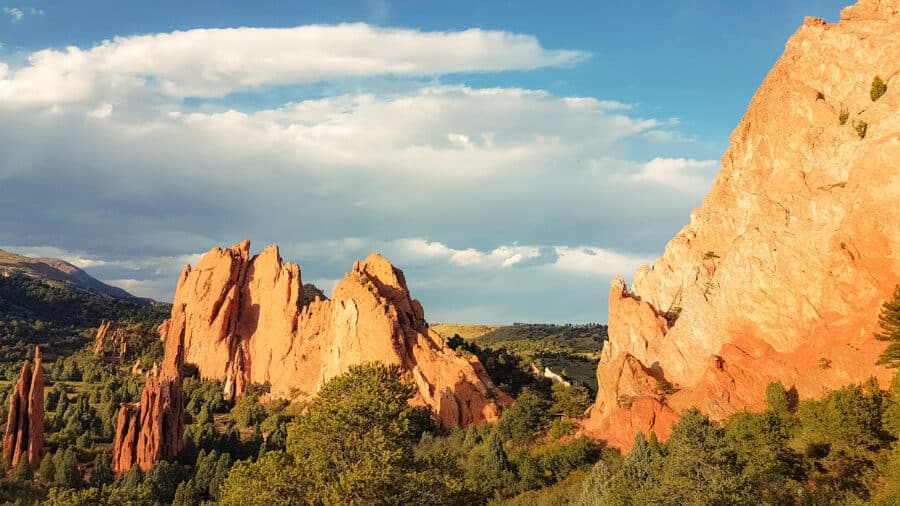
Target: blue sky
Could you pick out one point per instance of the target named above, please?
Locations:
(511, 157)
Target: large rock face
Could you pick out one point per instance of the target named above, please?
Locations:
(152, 429)
(781, 273)
(244, 320)
(24, 434)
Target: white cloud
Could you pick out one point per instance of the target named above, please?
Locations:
(679, 173)
(503, 256)
(15, 13)
(593, 261)
(215, 62)
(481, 195)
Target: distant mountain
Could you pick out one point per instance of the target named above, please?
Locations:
(56, 270)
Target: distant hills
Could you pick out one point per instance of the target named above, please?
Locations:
(52, 303)
(56, 270)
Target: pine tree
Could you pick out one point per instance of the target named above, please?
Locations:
(102, 473)
(889, 321)
(67, 473)
(595, 486)
(22, 472)
(497, 460)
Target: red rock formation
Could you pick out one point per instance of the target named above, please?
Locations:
(112, 336)
(244, 320)
(152, 429)
(24, 433)
(781, 273)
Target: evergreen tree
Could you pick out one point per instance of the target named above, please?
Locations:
(595, 486)
(47, 471)
(102, 473)
(22, 472)
(889, 321)
(497, 460)
(67, 473)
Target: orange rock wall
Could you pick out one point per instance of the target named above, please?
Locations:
(244, 321)
(781, 273)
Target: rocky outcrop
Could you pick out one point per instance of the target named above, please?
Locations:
(781, 273)
(24, 434)
(244, 320)
(152, 429)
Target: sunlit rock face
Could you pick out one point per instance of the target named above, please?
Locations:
(243, 320)
(24, 434)
(781, 273)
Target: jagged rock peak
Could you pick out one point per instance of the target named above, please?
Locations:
(243, 320)
(782, 271)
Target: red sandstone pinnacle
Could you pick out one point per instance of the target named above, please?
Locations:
(152, 429)
(781, 273)
(24, 433)
(244, 320)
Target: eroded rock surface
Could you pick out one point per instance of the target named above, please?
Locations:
(24, 434)
(152, 429)
(781, 273)
(244, 320)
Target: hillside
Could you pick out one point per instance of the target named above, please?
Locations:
(50, 302)
(56, 270)
(570, 350)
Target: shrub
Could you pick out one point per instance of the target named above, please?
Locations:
(879, 88)
(861, 128)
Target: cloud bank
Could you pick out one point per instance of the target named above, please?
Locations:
(501, 204)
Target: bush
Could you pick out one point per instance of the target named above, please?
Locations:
(878, 88)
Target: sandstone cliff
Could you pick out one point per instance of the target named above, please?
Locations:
(24, 434)
(244, 320)
(781, 273)
(152, 429)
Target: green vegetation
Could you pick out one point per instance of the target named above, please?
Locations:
(569, 350)
(61, 318)
(879, 88)
(889, 320)
(843, 117)
(861, 128)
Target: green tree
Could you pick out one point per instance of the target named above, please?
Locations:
(777, 400)
(496, 460)
(699, 467)
(67, 473)
(522, 420)
(595, 487)
(761, 442)
(22, 472)
(162, 479)
(47, 470)
(356, 439)
(102, 473)
(889, 321)
(274, 479)
(569, 401)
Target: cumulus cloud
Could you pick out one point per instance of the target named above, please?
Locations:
(682, 173)
(483, 195)
(215, 62)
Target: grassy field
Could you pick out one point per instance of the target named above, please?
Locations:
(571, 350)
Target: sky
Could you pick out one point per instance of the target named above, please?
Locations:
(511, 157)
